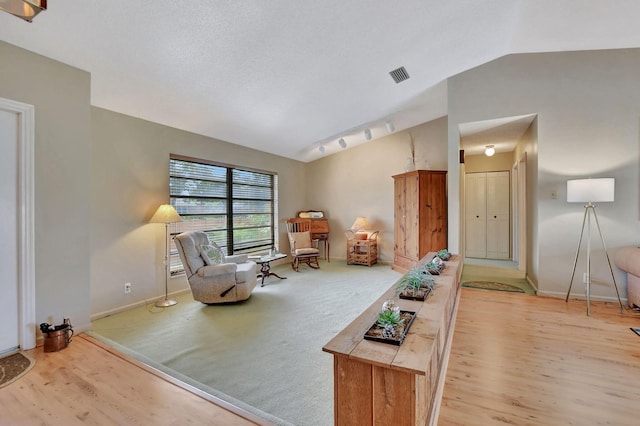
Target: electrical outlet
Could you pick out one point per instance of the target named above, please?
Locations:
(127, 288)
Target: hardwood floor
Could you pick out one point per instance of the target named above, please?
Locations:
(90, 383)
(526, 360)
(515, 359)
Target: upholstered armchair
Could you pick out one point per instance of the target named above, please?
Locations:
(214, 277)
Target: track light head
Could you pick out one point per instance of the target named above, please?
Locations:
(342, 143)
(390, 126)
(321, 149)
(367, 134)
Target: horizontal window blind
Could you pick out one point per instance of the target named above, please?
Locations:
(234, 206)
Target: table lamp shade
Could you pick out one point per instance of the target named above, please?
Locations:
(165, 214)
(360, 223)
(600, 190)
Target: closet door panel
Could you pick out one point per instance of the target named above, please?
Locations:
(476, 215)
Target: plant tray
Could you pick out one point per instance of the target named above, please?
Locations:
(421, 294)
(375, 332)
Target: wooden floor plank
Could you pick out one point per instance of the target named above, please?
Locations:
(526, 360)
(89, 383)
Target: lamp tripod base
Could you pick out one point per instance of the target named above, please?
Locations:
(165, 303)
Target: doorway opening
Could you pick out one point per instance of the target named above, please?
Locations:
(493, 199)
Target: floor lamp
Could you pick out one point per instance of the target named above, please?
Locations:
(166, 214)
(589, 191)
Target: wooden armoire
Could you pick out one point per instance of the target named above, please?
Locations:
(420, 216)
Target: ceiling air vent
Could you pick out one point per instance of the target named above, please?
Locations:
(399, 75)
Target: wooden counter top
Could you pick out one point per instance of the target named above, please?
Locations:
(414, 354)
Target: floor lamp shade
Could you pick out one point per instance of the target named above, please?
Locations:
(600, 190)
(166, 214)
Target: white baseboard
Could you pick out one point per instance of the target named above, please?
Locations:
(562, 295)
(133, 305)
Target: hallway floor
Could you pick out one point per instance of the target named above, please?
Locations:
(501, 271)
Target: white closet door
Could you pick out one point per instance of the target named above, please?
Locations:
(498, 215)
(9, 337)
(476, 215)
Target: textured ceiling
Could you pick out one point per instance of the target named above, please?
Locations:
(288, 76)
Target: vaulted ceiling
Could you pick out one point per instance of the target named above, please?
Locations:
(287, 76)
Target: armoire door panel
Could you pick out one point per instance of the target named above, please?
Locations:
(420, 215)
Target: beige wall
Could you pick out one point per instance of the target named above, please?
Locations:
(358, 181)
(100, 175)
(481, 163)
(130, 180)
(61, 96)
(587, 104)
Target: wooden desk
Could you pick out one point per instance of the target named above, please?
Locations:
(319, 228)
(381, 384)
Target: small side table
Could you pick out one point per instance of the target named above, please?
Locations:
(265, 267)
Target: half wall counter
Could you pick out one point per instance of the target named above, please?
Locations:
(377, 383)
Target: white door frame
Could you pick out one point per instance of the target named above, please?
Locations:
(26, 237)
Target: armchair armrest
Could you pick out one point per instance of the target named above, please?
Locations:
(219, 269)
(236, 258)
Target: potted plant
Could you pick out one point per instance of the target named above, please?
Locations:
(444, 254)
(389, 319)
(415, 284)
(391, 325)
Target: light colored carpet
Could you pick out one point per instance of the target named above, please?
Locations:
(266, 351)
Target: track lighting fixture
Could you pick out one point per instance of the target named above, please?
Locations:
(342, 143)
(390, 126)
(489, 150)
(367, 134)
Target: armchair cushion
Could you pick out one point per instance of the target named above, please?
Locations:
(306, 250)
(214, 270)
(211, 254)
(236, 258)
(300, 240)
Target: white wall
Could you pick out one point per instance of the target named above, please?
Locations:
(588, 105)
(358, 182)
(61, 96)
(131, 178)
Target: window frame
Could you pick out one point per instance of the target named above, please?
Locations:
(232, 213)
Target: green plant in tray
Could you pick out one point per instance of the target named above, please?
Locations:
(414, 280)
(444, 254)
(389, 320)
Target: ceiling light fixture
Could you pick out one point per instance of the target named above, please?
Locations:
(342, 143)
(489, 150)
(367, 134)
(24, 9)
(321, 149)
(390, 126)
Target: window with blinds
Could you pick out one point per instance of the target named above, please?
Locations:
(234, 206)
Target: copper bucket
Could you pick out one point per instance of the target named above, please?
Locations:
(59, 338)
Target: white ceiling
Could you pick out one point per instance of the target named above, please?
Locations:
(288, 76)
(502, 133)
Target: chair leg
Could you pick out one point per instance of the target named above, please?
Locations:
(294, 264)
